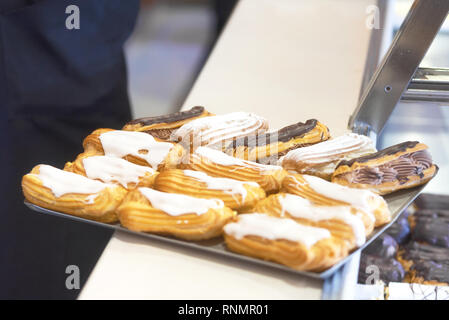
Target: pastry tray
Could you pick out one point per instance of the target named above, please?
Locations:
(397, 202)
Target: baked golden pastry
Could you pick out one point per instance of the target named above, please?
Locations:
(162, 127)
(136, 147)
(321, 159)
(284, 241)
(339, 220)
(371, 207)
(238, 195)
(67, 192)
(402, 166)
(218, 164)
(181, 216)
(268, 148)
(218, 131)
(112, 170)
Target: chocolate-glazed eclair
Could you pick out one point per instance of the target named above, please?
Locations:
(401, 166)
(162, 126)
(425, 263)
(432, 201)
(431, 226)
(268, 148)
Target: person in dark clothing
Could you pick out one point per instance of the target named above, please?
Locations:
(56, 86)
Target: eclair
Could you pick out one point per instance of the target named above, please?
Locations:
(181, 216)
(371, 207)
(284, 241)
(112, 170)
(339, 220)
(162, 127)
(401, 166)
(238, 195)
(218, 131)
(71, 193)
(218, 164)
(136, 147)
(321, 159)
(268, 148)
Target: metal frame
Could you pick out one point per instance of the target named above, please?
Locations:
(399, 65)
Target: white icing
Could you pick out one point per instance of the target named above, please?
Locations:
(109, 170)
(91, 199)
(62, 182)
(299, 207)
(210, 130)
(272, 228)
(345, 147)
(178, 204)
(120, 143)
(357, 197)
(222, 158)
(227, 185)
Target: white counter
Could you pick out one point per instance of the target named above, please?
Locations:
(288, 61)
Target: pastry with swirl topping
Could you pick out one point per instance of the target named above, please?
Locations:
(218, 131)
(322, 158)
(405, 165)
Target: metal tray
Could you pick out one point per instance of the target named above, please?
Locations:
(397, 202)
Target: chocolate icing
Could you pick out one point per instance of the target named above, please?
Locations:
(390, 270)
(399, 169)
(417, 251)
(432, 227)
(429, 262)
(384, 246)
(401, 147)
(432, 201)
(400, 230)
(430, 270)
(173, 117)
(285, 134)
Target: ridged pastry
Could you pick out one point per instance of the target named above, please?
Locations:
(163, 126)
(218, 164)
(239, 195)
(67, 192)
(112, 170)
(284, 241)
(321, 159)
(218, 131)
(339, 220)
(425, 263)
(402, 166)
(185, 217)
(268, 148)
(371, 207)
(136, 147)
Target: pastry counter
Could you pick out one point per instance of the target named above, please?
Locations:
(283, 60)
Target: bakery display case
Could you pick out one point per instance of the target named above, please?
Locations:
(314, 256)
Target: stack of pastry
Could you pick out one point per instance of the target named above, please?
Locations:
(195, 176)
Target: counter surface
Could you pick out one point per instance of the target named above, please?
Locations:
(288, 61)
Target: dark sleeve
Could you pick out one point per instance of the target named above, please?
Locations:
(46, 66)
